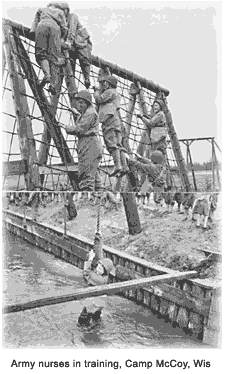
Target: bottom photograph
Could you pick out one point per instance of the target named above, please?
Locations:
(111, 270)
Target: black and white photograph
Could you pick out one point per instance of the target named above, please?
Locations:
(111, 183)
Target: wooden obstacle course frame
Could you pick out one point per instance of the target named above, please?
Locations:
(175, 295)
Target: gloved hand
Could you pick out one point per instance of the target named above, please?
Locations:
(66, 45)
(75, 111)
(91, 255)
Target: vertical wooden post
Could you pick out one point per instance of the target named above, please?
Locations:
(131, 210)
(216, 165)
(176, 147)
(192, 167)
(25, 132)
(187, 148)
(65, 213)
(213, 164)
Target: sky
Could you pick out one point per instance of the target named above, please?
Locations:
(175, 44)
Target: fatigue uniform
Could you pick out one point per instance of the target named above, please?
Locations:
(49, 26)
(89, 274)
(79, 38)
(109, 117)
(158, 133)
(90, 151)
(156, 175)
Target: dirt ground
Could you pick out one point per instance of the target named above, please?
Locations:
(166, 239)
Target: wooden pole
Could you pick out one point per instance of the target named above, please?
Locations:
(65, 213)
(131, 210)
(25, 132)
(108, 289)
(176, 148)
(216, 165)
(213, 164)
(192, 168)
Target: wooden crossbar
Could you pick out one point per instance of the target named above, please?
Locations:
(108, 289)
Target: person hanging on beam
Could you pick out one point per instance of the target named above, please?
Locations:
(157, 127)
(155, 169)
(49, 26)
(97, 268)
(108, 100)
(86, 128)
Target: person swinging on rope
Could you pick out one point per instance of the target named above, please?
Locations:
(97, 268)
(49, 26)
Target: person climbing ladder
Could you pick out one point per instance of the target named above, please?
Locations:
(108, 100)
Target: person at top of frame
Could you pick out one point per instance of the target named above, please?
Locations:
(157, 125)
(50, 26)
(78, 40)
(108, 100)
(86, 128)
(155, 169)
(97, 268)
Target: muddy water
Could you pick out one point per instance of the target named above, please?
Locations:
(31, 274)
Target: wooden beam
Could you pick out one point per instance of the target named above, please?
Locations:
(108, 289)
(176, 148)
(25, 131)
(101, 63)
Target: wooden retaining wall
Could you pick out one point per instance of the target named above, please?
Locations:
(186, 303)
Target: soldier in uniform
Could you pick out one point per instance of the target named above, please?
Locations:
(155, 169)
(157, 125)
(86, 128)
(50, 27)
(108, 100)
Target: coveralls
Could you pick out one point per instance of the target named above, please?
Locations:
(158, 131)
(49, 26)
(109, 104)
(89, 274)
(86, 128)
(79, 38)
(156, 175)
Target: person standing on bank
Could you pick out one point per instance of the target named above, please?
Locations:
(108, 100)
(50, 27)
(158, 127)
(86, 128)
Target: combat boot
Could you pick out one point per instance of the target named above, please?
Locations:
(117, 163)
(46, 70)
(125, 168)
(54, 79)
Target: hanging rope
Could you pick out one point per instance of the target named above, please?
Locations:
(99, 211)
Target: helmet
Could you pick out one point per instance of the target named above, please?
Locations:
(111, 79)
(108, 264)
(85, 95)
(61, 6)
(157, 157)
(160, 102)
